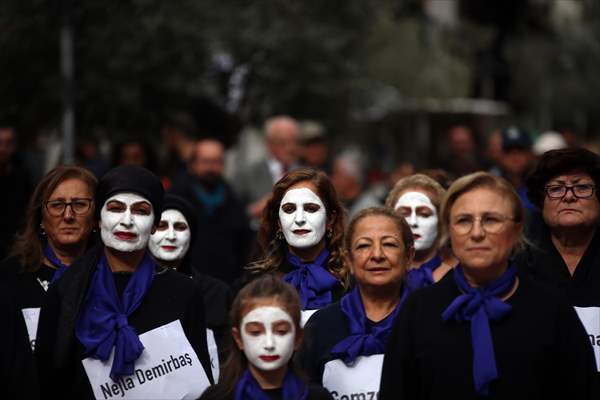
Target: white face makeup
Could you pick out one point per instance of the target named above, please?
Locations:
(268, 335)
(126, 221)
(302, 217)
(421, 215)
(172, 237)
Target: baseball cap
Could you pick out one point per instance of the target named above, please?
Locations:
(515, 138)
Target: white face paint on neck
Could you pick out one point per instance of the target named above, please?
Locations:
(303, 218)
(268, 335)
(421, 215)
(171, 239)
(124, 226)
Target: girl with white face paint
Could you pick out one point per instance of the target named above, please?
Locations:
(301, 233)
(266, 331)
(417, 198)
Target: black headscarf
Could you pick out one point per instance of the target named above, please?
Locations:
(174, 202)
(134, 179)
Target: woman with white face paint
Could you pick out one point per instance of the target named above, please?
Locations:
(301, 235)
(417, 198)
(170, 245)
(266, 331)
(116, 323)
(345, 341)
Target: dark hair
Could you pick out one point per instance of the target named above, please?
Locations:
(403, 228)
(558, 162)
(275, 248)
(150, 158)
(267, 286)
(29, 246)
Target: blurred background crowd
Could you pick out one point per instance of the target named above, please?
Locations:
(220, 99)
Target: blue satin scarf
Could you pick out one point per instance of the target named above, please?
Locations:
(362, 340)
(418, 278)
(103, 321)
(60, 267)
(312, 281)
(248, 388)
(480, 305)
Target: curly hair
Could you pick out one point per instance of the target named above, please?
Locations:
(274, 248)
(558, 162)
(29, 246)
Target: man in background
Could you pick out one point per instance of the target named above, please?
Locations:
(16, 184)
(223, 240)
(254, 184)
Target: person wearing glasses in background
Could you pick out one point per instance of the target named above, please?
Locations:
(59, 221)
(565, 252)
(486, 330)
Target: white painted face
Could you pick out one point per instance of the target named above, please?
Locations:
(303, 218)
(172, 237)
(421, 215)
(268, 335)
(126, 221)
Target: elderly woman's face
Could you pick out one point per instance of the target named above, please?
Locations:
(378, 255)
(482, 232)
(68, 214)
(302, 216)
(570, 210)
(126, 222)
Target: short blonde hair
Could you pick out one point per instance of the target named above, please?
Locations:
(416, 181)
(478, 180)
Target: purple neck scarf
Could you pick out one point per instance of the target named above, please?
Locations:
(248, 388)
(103, 321)
(418, 278)
(362, 340)
(60, 267)
(312, 281)
(480, 305)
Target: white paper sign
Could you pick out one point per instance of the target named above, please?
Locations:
(360, 381)
(167, 369)
(590, 318)
(213, 352)
(32, 317)
(305, 316)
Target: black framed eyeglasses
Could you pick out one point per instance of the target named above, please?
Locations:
(56, 208)
(581, 190)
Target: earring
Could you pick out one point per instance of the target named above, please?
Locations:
(329, 233)
(42, 231)
(279, 235)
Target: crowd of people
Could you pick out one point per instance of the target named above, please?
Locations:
(291, 281)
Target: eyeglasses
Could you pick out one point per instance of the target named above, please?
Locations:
(56, 208)
(581, 191)
(490, 223)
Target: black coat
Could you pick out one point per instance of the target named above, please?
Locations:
(171, 296)
(222, 240)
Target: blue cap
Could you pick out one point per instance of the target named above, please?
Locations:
(515, 138)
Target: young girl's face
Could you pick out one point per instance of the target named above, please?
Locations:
(267, 335)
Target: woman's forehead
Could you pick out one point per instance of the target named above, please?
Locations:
(304, 184)
(127, 198)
